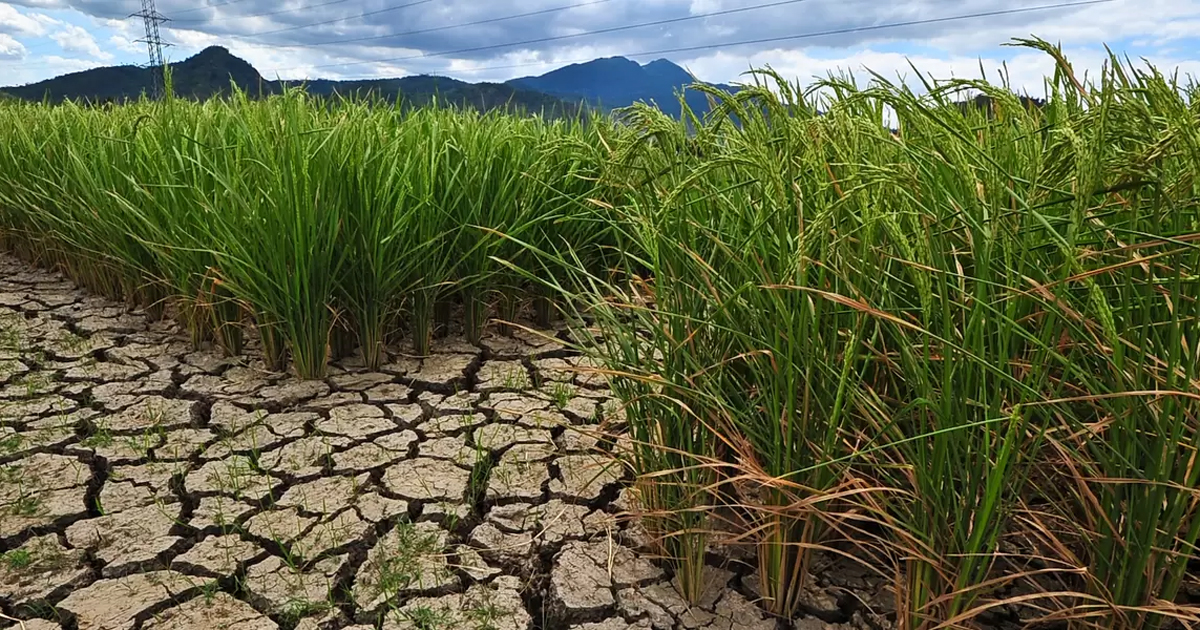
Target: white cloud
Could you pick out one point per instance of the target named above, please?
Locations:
(125, 44)
(124, 36)
(1157, 20)
(1158, 29)
(33, 69)
(47, 4)
(192, 39)
(1025, 68)
(525, 62)
(14, 22)
(271, 61)
(74, 38)
(10, 48)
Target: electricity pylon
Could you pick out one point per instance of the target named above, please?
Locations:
(151, 18)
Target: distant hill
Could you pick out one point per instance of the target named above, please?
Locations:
(210, 73)
(422, 90)
(614, 82)
(204, 75)
(985, 102)
(604, 83)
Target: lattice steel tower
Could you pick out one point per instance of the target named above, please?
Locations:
(151, 18)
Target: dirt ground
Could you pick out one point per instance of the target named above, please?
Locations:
(144, 485)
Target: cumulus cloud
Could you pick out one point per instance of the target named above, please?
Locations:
(1023, 70)
(14, 22)
(46, 4)
(10, 48)
(471, 40)
(125, 44)
(74, 38)
(21, 72)
(424, 46)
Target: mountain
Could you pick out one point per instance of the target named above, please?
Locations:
(422, 90)
(614, 82)
(204, 75)
(603, 83)
(986, 103)
(210, 72)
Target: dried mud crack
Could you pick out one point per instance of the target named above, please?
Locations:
(145, 485)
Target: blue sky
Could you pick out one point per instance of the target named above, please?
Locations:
(305, 38)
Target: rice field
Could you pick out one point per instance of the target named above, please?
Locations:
(954, 345)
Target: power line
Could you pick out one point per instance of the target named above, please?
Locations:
(447, 27)
(612, 29)
(343, 19)
(269, 13)
(209, 6)
(767, 40)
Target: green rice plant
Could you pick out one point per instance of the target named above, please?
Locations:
(736, 376)
(1128, 280)
(169, 216)
(670, 447)
(944, 358)
(568, 169)
(670, 452)
(932, 342)
(281, 199)
(960, 364)
(499, 150)
(784, 354)
(382, 213)
(440, 175)
(101, 254)
(308, 221)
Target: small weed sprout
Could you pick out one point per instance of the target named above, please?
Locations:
(426, 618)
(561, 393)
(298, 608)
(27, 505)
(10, 336)
(154, 415)
(16, 559)
(101, 437)
(40, 609)
(72, 342)
(209, 591)
(486, 616)
(36, 383)
(11, 442)
(235, 478)
(405, 568)
(514, 378)
(141, 443)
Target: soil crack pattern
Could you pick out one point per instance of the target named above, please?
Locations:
(146, 485)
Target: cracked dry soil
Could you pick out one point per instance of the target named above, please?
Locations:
(144, 485)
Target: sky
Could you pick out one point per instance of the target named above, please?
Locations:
(496, 40)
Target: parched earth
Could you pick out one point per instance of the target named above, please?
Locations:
(144, 485)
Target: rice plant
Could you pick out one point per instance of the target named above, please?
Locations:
(955, 339)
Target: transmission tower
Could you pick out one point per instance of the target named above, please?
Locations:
(151, 18)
